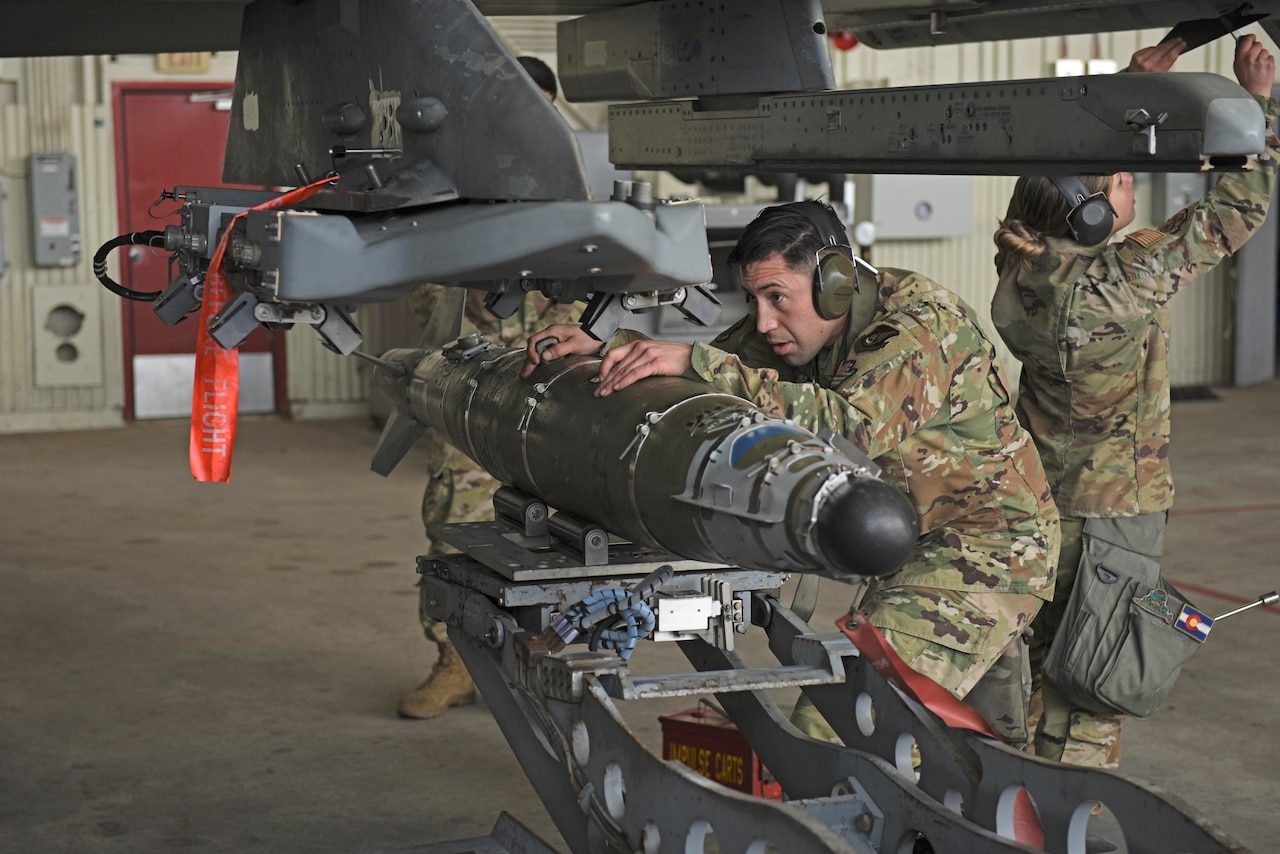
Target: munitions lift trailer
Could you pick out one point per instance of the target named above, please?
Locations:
(607, 792)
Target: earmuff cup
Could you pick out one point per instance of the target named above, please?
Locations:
(1091, 221)
(837, 289)
(1091, 217)
(834, 283)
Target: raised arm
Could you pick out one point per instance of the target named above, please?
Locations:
(1157, 264)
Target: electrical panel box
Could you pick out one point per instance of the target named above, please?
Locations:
(1173, 191)
(55, 215)
(914, 207)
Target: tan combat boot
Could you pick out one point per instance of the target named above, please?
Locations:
(448, 685)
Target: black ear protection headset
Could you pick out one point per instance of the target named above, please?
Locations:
(837, 290)
(1091, 216)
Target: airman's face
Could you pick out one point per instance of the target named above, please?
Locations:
(1120, 194)
(785, 313)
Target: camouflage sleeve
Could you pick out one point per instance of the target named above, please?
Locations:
(534, 314)
(623, 336)
(423, 299)
(1155, 264)
(476, 316)
(882, 396)
(553, 313)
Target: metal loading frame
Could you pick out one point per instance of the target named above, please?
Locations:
(607, 791)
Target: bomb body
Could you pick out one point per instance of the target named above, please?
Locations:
(666, 462)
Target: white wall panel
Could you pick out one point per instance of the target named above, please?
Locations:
(323, 384)
(535, 34)
(1203, 331)
(44, 395)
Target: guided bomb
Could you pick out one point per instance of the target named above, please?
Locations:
(664, 463)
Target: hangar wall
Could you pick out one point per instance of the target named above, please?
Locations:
(64, 104)
(43, 109)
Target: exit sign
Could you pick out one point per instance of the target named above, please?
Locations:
(197, 62)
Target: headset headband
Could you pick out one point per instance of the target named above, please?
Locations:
(823, 221)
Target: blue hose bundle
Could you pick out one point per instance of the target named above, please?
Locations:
(614, 618)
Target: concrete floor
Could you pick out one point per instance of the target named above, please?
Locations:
(215, 668)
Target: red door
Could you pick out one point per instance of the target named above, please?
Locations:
(169, 134)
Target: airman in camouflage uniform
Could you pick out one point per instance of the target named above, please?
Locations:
(1091, 326)
(921, 390)
(459, 490)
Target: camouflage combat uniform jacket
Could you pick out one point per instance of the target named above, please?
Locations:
(536, 313)
(921, 391)
(458, 489)
(1091, 326)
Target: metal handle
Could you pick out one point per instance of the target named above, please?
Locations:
(1266, 599)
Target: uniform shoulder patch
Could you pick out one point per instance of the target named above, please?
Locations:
(881, 343)
(1147, 237)
(1155, 602)
(876, 337)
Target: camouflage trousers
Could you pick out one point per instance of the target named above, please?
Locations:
(1063, 731)
(970, 643)
(457, 490)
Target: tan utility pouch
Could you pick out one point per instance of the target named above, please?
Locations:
(1117, 650)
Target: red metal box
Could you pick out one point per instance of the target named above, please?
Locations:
(710, 744)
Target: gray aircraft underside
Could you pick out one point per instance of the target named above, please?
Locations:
(150, 26)
(450, 167)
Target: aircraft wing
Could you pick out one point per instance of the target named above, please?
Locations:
(81, 27)
(449, 166)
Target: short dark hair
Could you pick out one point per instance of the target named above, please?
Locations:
(787, 230)
(541, 73)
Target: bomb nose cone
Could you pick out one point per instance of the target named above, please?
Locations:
(867, 528)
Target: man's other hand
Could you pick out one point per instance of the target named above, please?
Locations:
(570, 340)
(624, 365)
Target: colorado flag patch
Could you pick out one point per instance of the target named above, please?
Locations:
(1192, 622)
